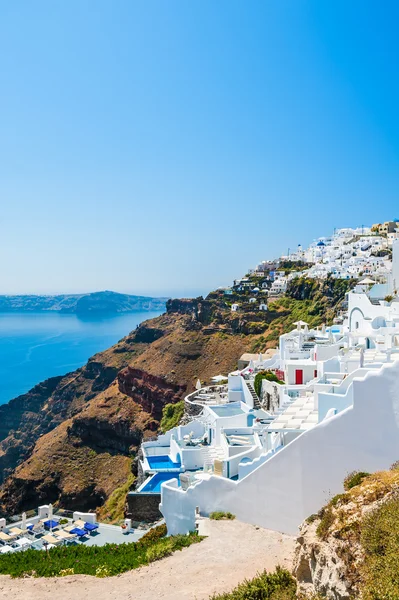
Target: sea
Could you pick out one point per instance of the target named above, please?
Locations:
(36, 346)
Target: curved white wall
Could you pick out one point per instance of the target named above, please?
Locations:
(298, 480)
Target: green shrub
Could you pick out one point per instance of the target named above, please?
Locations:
(100, 561)
(155, 533)
(380, 542)
(172, 415)
(312, 518)
(113, 510)
(218, 515)
(157, 551)
(269, 375)
(326, 520)
(339, 498)
(102, 571)
(354, 478)
(279, 585)
(66, 572)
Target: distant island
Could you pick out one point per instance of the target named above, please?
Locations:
(93, 303)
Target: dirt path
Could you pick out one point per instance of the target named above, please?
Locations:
(232, 552)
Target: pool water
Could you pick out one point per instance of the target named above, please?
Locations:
(159, 463)
(154, 484)
(227, 410)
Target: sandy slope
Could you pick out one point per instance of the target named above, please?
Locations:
(232, 552)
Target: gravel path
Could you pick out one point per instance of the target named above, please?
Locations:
(232, 552)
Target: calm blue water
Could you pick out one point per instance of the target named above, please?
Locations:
(35, 346)
(162, 462)
(154, 485)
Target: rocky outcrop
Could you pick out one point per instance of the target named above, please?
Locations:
(330, 557)
(200, 310)
(318, 566)
(149, 391)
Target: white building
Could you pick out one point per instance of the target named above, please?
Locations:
(334, 410)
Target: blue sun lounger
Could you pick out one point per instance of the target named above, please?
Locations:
(90, 527)
(79, 532)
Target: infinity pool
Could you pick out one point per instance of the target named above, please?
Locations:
(154, 484)
(160, 463)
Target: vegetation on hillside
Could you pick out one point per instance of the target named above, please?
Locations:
(113, 511)
(172, 415)
(380, 542)
(219, 515)
(101, 561)
(311, 300)
(279, 585)
(269, 376)
(364, 522)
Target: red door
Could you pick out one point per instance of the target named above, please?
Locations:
(298, 377)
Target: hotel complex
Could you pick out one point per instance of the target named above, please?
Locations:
(272, 441)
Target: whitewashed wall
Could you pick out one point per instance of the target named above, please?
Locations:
(298, 480)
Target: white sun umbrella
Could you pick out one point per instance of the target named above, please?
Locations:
(23, 522)
(299, 324)
(330, 336)
(323, 329)
(306, 328)
(198, 385)
(260, 357)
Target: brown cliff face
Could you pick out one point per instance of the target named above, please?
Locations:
(149, 391)
(72, 439)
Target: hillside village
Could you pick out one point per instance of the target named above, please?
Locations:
(273, 440)
(248, 419)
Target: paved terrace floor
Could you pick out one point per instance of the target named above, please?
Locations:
(106, 534)
(232, 552)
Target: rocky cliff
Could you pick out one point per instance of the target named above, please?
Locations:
(72, 440)
(350, 548)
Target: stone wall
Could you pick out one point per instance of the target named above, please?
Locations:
(143, 507)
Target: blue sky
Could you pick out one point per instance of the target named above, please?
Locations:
(163, 147)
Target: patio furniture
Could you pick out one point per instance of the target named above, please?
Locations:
(51, 524)
(90, 527)
(51, 539)
(79, 532)
(64, 535)
(6, 549)
(37, 529)
(22, 543)
(15, 531)
(79, 523)
(4, 537)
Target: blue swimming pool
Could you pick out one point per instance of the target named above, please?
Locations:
(159, 463)
(154, 484)
(227, 410)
